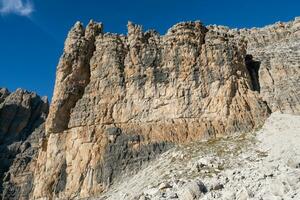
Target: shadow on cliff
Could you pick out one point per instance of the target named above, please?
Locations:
(16, 142)
(253, 69)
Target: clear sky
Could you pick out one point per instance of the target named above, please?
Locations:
(32, 32)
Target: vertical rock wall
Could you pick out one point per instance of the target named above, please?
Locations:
(120, 100)
(275, 50)
(278, 52)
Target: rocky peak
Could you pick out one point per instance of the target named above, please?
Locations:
(3, 94)
(186, 32)
(19, 113)
(135, 32)
(182, 27)
(74, 72)
(22, 115)
(93, 29)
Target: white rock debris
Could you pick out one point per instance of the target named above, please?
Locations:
(261, 165)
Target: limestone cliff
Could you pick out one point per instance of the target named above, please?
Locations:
(275, 53)
(22, 116)
(120, 100)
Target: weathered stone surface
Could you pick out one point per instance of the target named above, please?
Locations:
(146, 79)
(192, 190)
(120, 100)
(22, 115)
(73, 74)
(275, 50)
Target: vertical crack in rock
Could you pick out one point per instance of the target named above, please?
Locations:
(60, 184)
(253, 69)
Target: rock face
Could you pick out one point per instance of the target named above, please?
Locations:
(274, 53)
(120, 100)
(73, 74)
(279, 58)
(22, 116)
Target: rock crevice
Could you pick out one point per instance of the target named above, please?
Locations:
(253, 69)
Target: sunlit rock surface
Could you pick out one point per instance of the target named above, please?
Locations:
(121, 100)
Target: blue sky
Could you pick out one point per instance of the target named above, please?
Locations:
(32, 32)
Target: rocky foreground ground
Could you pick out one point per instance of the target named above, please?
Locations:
(262, 165)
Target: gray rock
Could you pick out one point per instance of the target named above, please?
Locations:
(22, 116)
(163, 186)
(192, 190)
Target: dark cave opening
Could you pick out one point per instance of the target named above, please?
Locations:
(253, 68)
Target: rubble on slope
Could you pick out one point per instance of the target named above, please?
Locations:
(261, 165)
